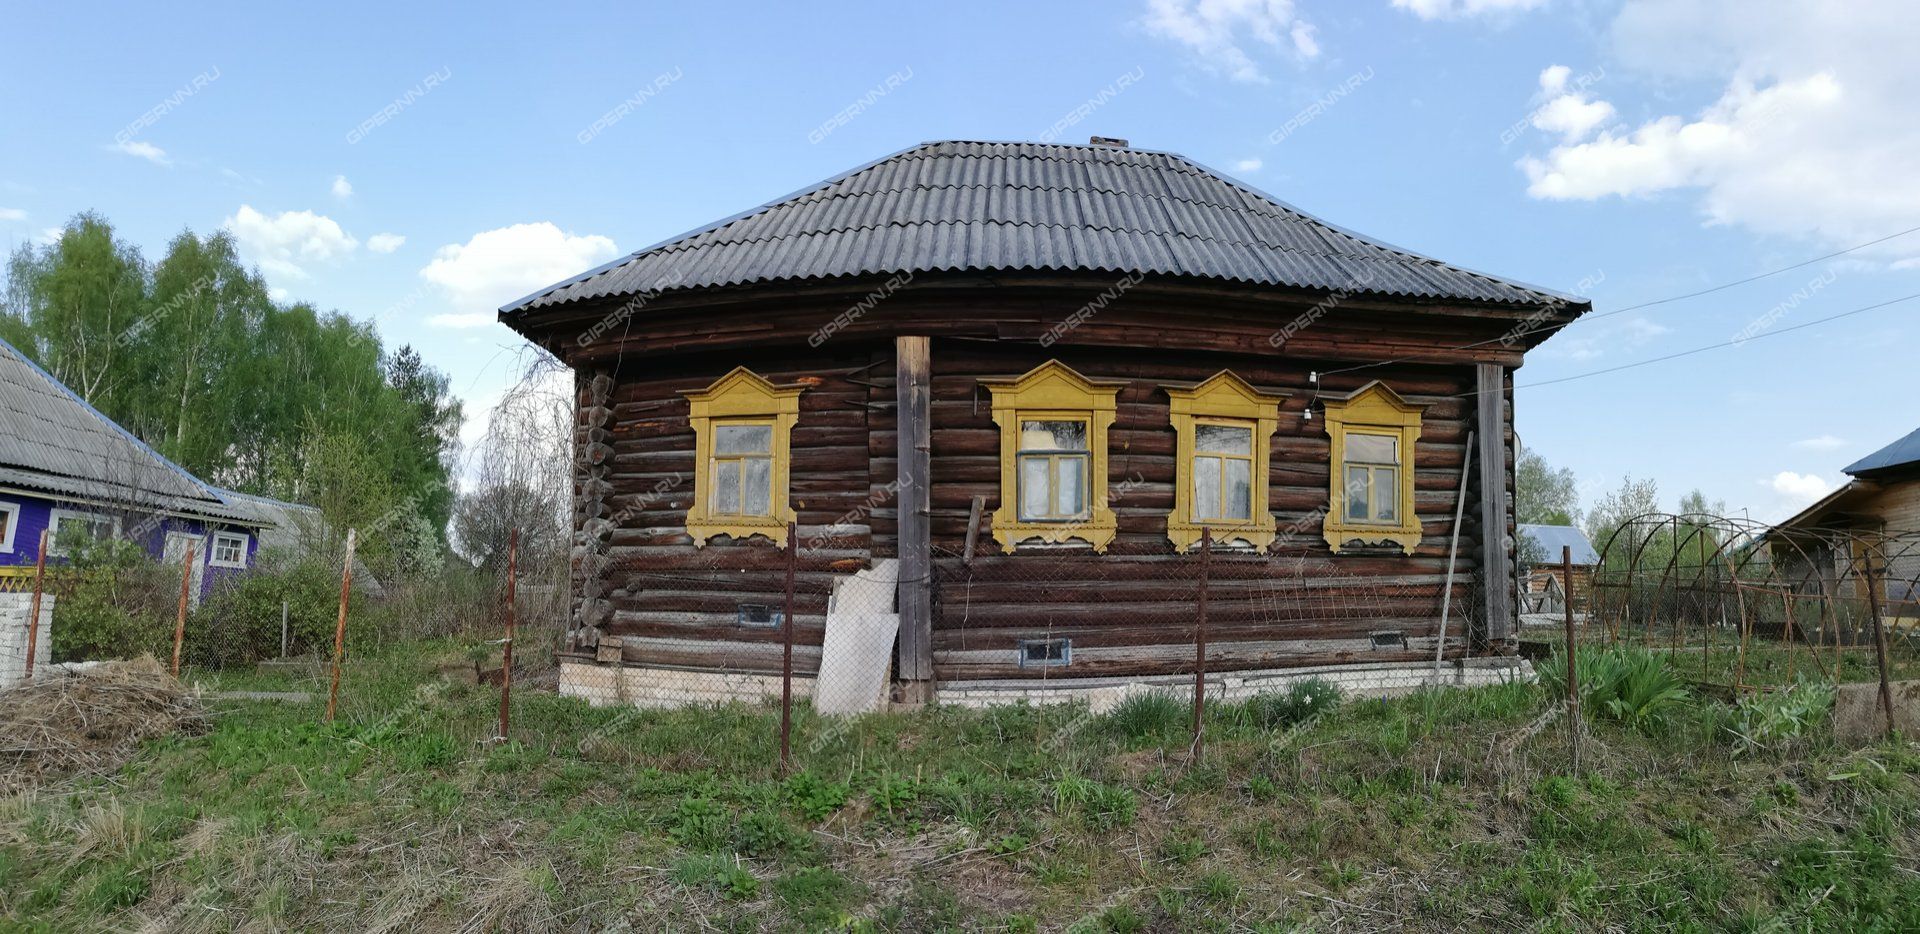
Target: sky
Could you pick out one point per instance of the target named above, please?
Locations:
(421, 166)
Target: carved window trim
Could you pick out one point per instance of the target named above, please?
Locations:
(742, 397)
(1223, 398)
(1372, 409)
(1054, 391)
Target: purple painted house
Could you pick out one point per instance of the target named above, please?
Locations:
(67, 469)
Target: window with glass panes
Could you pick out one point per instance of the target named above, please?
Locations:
(1054, 461)
(1223, 471)
(742, 468)
(1372, 477)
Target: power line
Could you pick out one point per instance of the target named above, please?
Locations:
(1512, 335)
(1723, 344)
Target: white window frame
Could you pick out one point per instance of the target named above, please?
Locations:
(213, 550)
(84, 515)
(13, 525)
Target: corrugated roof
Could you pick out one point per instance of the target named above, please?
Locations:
(1551, 538)
(52, 440)
(1901, 453)
(971, 206)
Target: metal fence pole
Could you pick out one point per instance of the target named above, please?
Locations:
(1879, 641)
(1573, 655)
(506, 645)
(1200, 648)
(33, 614)
(786, 656)
(285, 633)
(180, 619)
(340, 628)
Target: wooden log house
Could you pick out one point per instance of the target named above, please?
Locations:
(1024, 378)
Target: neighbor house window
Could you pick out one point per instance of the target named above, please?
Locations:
(229, 550)
(1053, 457)
(742, 429)
(72, 528)
(1373, 432)
(9, 524)
(1224, 429)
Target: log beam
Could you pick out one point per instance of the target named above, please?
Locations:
(1495, 548)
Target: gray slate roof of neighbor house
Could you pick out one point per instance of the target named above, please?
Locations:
(1902, 453)
(1551, 538)
(973, 206)
(51, 440)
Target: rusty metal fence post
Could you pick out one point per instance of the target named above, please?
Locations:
(33, 611)
(786, 656)
(340, 628)
(506, 645)
(1879, 640)
(180, 618)
(1573, 655)
(1200, 649)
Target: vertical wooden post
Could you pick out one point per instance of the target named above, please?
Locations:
(1495, 564)
(506, 646)
(1200, 648)
(180, 619)
(786, 657)
(913, 416)
(340, 628)
(1879, 640)
(33, 611)
(1573, 656)
(285, 633)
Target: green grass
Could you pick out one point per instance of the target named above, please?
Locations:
(1437, 811)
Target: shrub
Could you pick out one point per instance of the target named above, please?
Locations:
(119, 604)
(240, 620)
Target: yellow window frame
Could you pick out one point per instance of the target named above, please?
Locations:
(1373, 409)
(1053, 391)
(741, 397)
(1222, 399)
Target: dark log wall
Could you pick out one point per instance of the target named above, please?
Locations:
(672, 603)
(1130, 611)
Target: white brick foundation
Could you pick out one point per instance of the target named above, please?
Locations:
(604, 685)
(14, 608)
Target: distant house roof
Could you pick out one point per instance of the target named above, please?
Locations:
(1551, 538)
(1902, 453)
(282, 524)
(978, 206)
(51, 440)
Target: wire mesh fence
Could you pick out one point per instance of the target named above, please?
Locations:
(813, 635)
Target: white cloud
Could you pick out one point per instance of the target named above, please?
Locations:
(1799, 489)
(279, 294)
(497, 266)
(1248, 165)
(1454, 9)
(1808, 132)
(1821, 443)
(1569, 113)
(1216, 30)
(342, 188)
(282, 243)
(12, 214)
(144, 150)
(49, 235)
(385, 242)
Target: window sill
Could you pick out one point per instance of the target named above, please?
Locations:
(1358, 539)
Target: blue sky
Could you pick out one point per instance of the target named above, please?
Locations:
(422, 166)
